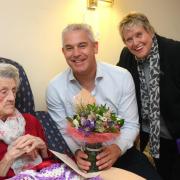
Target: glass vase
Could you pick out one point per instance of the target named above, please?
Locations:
(92, 150)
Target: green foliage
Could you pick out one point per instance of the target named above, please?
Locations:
(94, 118)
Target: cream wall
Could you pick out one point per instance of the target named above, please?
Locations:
(30, 32)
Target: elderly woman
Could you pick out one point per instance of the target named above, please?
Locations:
(22, 142)
(22, 139)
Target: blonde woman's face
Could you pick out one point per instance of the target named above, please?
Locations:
(138, 40)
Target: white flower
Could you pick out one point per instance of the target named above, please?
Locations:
(104, 119)
(76, 123)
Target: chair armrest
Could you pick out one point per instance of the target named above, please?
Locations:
(54, 138)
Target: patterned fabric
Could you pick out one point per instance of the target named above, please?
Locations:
(151, 98)
(54, 172)
(24, 96)
(12, 128)
(25, 104)
(54, 138)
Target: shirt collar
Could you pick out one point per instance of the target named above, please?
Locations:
(99, 73)
(71, 75)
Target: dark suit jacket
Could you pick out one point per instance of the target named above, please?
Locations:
(169, 51)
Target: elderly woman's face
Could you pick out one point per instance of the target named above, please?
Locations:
(8, 90)
(138, 40)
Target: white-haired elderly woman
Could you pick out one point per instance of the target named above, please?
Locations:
(22, 140)
(23, 150)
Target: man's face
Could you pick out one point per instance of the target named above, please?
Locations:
(138, 41)
(79, 52)
(8, 90)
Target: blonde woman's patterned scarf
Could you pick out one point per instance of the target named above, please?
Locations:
(150, 99)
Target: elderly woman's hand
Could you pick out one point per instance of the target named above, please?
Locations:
(13, 153)
(31, 145)
(6, 162)
(25, 145)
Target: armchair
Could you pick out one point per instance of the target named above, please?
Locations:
(25, 104)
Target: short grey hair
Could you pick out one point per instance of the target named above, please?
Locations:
(79, 27)
(9, 71)
(135, 18)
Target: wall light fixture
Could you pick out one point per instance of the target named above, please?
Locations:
(92, 4)
(108, 1)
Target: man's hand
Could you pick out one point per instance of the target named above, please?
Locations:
(108, 156)
(81, 159)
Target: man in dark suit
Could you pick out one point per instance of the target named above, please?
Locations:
(154, 62)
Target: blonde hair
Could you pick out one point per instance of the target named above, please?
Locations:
(79, 27)
(135, 18)
(9, 71)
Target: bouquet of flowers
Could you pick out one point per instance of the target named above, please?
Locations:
(93, 124)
